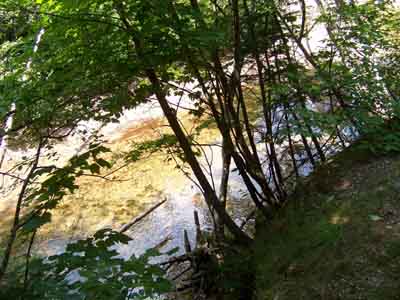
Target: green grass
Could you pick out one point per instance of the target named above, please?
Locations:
(339, 236)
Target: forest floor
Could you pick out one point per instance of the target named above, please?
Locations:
(339, 235)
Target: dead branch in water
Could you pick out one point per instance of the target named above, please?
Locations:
(125, 227)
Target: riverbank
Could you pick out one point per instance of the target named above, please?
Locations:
(338, 237)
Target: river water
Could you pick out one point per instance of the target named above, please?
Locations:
(164, 226)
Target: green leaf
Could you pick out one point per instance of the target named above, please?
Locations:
(94, 169)
(103, 163)
(36, 222)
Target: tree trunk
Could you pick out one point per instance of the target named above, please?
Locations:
(209, 194)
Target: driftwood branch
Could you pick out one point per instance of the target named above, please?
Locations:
(178, 259)
(182, 273)
(125, 227)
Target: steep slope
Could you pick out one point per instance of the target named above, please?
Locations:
(339, 236)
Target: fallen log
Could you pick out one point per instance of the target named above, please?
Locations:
(177, 259)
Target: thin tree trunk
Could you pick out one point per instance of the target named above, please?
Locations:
(269, 143)
(251, 163)
(223, 190)
(27, 262)
(240, 164)
(291, 149)
(304, 140)
(15, 226)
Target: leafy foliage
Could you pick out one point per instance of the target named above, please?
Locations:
(166, 142)
(92, 269)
